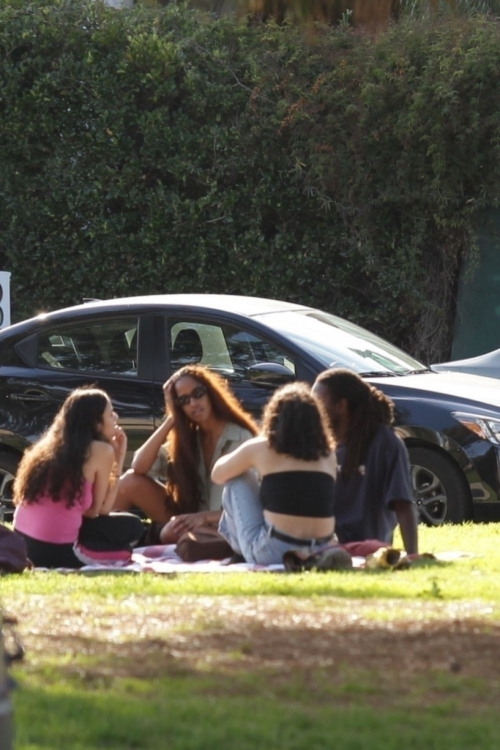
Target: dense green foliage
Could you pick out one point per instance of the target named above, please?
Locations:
(159, 151)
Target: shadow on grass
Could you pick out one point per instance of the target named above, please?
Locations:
(281, 644)
(159, 703)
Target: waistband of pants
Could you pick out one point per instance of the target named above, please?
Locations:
(299, 542)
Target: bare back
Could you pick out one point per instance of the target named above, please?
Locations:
(97, 470)
(268, 461)
(257, 454)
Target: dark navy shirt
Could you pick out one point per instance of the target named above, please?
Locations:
(363, 501)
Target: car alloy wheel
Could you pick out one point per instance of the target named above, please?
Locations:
(430, 496)
(439, 492)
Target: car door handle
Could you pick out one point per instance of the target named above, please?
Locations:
(29, 396)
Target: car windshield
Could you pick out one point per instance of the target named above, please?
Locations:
(337, 343)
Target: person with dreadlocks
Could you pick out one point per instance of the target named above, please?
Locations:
(373, 491)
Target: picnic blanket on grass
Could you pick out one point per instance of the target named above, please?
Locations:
(164, 559)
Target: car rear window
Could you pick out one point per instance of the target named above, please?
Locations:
(100, 346)
(9, 356)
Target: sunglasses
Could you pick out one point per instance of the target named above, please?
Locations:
(196, 394)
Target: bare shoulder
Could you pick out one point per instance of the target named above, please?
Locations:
(100, 457)
(266, 459)
(257, 440)
(256, 445)
(100, 449)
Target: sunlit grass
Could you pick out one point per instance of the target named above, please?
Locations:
(474, 577)
(122, 661)
(191, 713)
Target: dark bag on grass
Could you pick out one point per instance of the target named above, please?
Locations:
(13, 555)
(203, 544)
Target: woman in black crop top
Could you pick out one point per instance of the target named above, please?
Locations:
(279, 486)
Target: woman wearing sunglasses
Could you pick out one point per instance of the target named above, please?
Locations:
(204, 422)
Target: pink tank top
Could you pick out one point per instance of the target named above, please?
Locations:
(54, 522)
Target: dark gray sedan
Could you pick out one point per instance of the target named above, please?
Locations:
(129, 347)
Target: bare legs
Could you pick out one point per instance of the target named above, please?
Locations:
(140, 491)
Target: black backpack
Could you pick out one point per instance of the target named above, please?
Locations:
(13, 555)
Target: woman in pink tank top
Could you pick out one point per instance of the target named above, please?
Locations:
(66, 487)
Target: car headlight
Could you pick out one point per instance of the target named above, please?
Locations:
(484, 427)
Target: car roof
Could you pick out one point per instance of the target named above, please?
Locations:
(239, 305)
(226, 302)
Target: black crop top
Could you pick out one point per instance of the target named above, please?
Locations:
(298, 493)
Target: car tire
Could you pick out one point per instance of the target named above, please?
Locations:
(439, 490)
(9, 463)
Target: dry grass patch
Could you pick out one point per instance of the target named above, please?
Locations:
(329, 645)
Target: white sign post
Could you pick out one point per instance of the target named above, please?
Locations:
(4, 299)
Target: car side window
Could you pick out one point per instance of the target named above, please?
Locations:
(108, 347)
(225, 349)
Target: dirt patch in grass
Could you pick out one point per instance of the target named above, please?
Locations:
(385, 650)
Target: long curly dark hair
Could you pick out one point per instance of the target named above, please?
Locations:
(54, 465)
(183, 485)
(295, 423)
(368, 408)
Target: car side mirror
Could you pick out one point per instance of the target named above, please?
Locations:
(269, 375)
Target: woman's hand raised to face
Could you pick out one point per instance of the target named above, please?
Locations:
(119, 443)
(168, 392)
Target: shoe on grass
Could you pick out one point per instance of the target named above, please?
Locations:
(387, 558)
(332, 558)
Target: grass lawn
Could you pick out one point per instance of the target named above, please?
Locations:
(257, 660)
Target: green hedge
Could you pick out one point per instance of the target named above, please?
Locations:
(160, 151)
